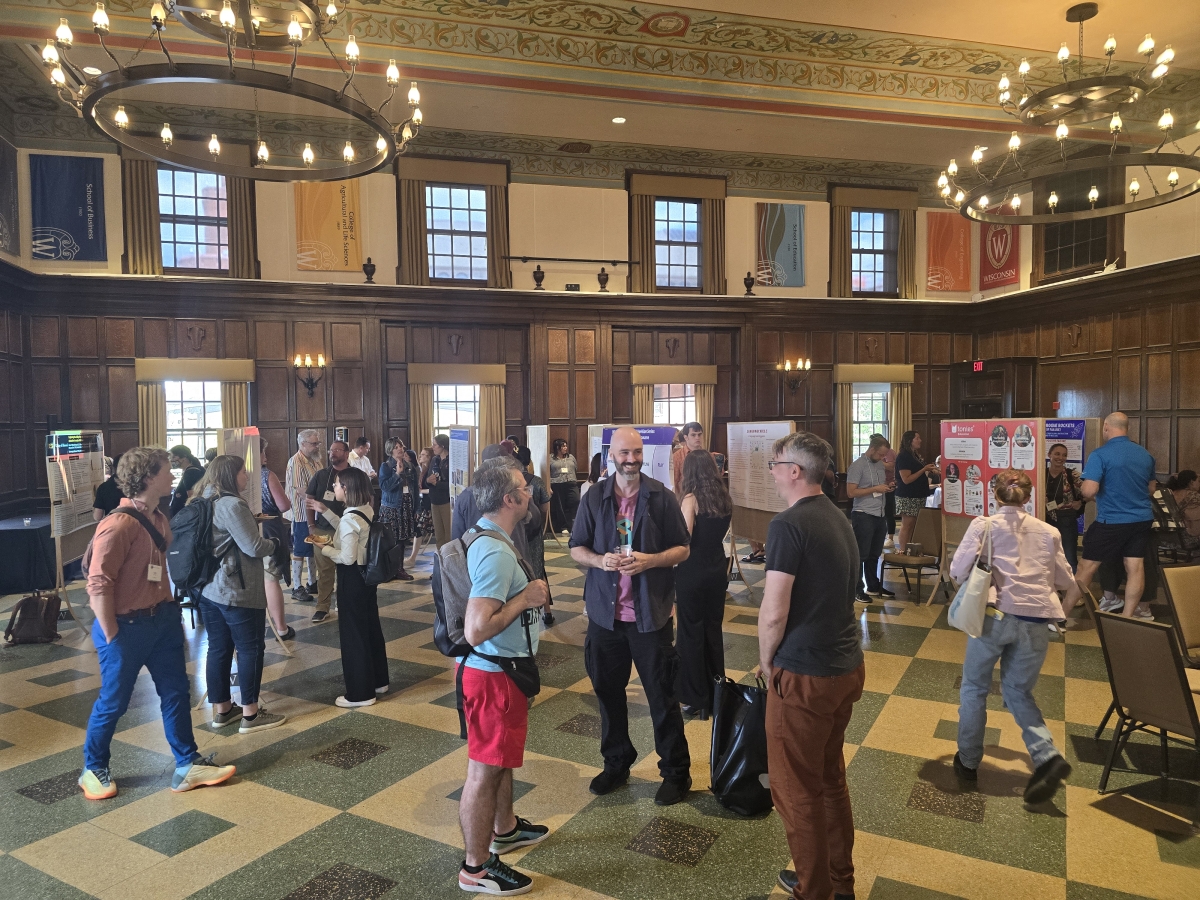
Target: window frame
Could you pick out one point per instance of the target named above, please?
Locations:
(432, 232)
(687, 399)
(698, 244)
(182, 434)
(458, 401)
(873, 393)
(172, 218)
(890, 252)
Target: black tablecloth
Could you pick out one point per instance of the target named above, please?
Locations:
(26, 554)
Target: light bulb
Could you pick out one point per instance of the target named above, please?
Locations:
(1024, 67)
(393, 73)
(214, 146)
(1004, 96)
(1166, 120)
(100, 19)
(1110, 46)
(983, 202)
(320, 360)
(295, 32)
(63, 33)
(1015, 202)
(1115, 125)
(299, 361)
(308, 360)
(166, 134)
(381, 144)
(406, 135)
(1052, 201)
(331, 9)
(50, 53)
(1014, 143)
(308, 155)
(121, 118)
(348, 153)
(1093, 195)
(946, 190)
(417, 118)
(414, 95)
(57, 78)
(1146, 47)
(1159, 71)
(1003, 82)
(1134, 187)
(158, 15)
(787, 365)
(1061, 131)
(977, 155)
(807, 364)
(952, 169)
(959, 197)
(263, 153)
(227, 18)
(352, 49)
(1173, 177)
(1166, 56)
(942, 180)
(1064, 53)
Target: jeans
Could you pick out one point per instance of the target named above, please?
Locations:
(1068, 527)
(155, 642)
(1020, 647)
(869, 532)
(229, 627)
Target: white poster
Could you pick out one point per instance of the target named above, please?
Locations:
(998, 452)
(1024, 449)
(74, 469)
(461, 444)
(973, 492)
(751, 484)
(952, 490)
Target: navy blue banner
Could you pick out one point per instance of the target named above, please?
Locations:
(10, 208)
(67, 198)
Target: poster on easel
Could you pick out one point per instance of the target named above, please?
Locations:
(462, 453)
(244, 442)
(750, 483)
(975, 451)
(74, 469)
(537, 439)
(656, 450)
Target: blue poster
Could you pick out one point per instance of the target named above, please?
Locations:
(656, 450)
(1070, 433)
(780, 229)
(10, 209)
(66, 195)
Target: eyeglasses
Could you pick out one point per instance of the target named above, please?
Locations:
(783, 462)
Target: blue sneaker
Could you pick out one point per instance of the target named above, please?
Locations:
(526, 834)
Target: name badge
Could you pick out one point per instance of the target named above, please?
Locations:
(406, 490)
(329, 496)
(1051, 506)
(153, 573)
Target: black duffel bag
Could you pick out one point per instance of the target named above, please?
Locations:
(738, 758)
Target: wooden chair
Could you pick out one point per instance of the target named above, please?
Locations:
(1182, 587)
(928, 533)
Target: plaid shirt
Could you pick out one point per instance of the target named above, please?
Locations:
(300, 471)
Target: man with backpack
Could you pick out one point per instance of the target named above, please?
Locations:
(320, 488)
(501, 625)
(138, 623)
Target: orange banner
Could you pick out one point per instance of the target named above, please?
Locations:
(327, 226)
(949, 255)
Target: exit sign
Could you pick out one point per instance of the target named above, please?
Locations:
(977, 365)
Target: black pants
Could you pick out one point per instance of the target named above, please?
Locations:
(700, 604)
(1068, 527)
(564, 503)
(364, 656)
(889, 511)
(609, 657)
(869, 531)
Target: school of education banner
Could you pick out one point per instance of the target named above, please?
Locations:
(949, 254)
(10, 210)
(327, 226)
(780, 244)
(999, 255)
(66, 194)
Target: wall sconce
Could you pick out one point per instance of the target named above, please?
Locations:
(310, 383)
(794, 376)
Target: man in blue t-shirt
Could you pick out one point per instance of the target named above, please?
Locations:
(1120, 477)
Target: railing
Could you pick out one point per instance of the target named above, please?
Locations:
(611, 262)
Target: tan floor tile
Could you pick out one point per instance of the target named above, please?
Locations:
(33, 737)
(1083, 633)
(884, 671)
(1056, 659)
(1086, 701)
(944, 645)
(88, 857)
(18, 690)
(552, 889)
(963, 876)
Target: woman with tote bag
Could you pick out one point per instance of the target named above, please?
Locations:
(1027, 569)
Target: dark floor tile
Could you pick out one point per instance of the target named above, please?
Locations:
(343, 882)
(866, 711)
(968, 806)
(673, 841)
(1085, 662)
(888, 637)
(61, 677)
(887, 889)
(931, 679)
(181, 833)
(993, 688)
(744, 620)
(583, 724)
(25, 656)
(326, 635)
(324, 683)
(560, 665)
(23, 882)
(1077, 890)
(948, 731)
(349, 753)
(1140, 760)
(4, 745)
(51, 790)
(1179, 848)
(75, 709)
(741, 651)
(520, 789)
(5, 708)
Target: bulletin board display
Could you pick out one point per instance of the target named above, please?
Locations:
(974, 451)
(462, 454)
(74, 469)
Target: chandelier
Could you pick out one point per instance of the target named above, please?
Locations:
(990, 190)
(233, 119)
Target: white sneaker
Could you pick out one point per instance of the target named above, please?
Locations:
(1143, 612)
(382, 690)
(350, 704)
(1115, 604)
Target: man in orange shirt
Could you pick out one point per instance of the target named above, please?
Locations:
(692, 435)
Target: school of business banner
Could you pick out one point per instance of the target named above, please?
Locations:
(10, 210)
(66, 194)
(327, 226)
(999, 255)
(780, 244)
(949, 253)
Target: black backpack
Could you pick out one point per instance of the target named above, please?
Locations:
(385, 555)
(190, 560)
(34, 620)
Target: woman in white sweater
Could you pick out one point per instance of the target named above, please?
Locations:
(364, 656)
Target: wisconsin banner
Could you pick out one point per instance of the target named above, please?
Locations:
(327, 226)
(66, 194)
(10, 210)
(949, 253)
(780, 244)
(999, 255)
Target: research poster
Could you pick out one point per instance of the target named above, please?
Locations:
(948, 257)
(74, 469)
(780, 244)
(1072, 434)
(751, 484)
(975, 451)
(66, 198)
(328, 226)
(461, 441)
(656, 450)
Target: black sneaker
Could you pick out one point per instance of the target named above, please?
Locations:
(862, 597)
(313, 589)
(961, 770)
(1046, 779)
(671, 792)
(320, 616)
(787, 880)
(695, 712)
(289, 634)
(301, 595)
(526, 834)
(607, 781)
(494, 877)
(881, 591)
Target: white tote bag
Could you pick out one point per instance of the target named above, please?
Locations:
(970, 603)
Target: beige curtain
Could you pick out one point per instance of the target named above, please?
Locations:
(499, 266)
(243, 228)
(235, 404)
(139, 200)
(840, 283)
(712, 247)
(643, 404)
(843, 428)
(641, 244)
(414, 252)
(420, 415)
(906, 255)
(899, 411)
(152, 414)
(704, 411)
(491, 414)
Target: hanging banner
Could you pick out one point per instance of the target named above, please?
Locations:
(66, 194)
(948, 238)
(10, 210)
(999, 255)
(327, 226)
(780, 230)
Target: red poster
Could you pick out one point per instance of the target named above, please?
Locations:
(975, 450)
(948, 257)
(999, 255)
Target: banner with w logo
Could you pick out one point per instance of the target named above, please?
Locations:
(999, 255)
(67, 198)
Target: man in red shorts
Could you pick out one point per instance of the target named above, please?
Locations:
(502, 623)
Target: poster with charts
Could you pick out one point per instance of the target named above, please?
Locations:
(74, 469)
(751, 484)
(328, 226)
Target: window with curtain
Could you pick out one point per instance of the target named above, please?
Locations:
(455, 406)
(193, 414)
(456, 232)
(869, 415)
(874, 240)
(193, 220)
(674, 404)
(676, 243)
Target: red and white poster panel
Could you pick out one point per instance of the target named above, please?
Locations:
(999, 255)
(975, 450)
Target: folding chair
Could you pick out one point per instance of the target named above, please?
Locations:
(927, 533)
(1182, 587)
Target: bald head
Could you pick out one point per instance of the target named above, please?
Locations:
(1115, 425)
(625, 450)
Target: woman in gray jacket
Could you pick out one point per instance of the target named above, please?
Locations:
(234, 603)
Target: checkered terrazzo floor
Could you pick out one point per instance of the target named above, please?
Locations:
(363, 804)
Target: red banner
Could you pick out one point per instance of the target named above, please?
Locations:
(999, 255)
(949, 252)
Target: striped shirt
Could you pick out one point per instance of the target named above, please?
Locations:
(300, 471)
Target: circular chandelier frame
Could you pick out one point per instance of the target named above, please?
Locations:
(1077, 100)
(201, 17)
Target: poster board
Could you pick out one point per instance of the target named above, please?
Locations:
(751, 487)
(537, 439)
(1081, 437)
(974, 451)
(462, 456)
(596, 443)
(74, 469)
(244, 442)
(656, 449)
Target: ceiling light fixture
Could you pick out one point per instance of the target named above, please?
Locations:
(618, 120)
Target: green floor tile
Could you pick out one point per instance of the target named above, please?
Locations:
(888, 637)
(75, 709)
(741, 652)
(1085, 662)
(1179, 848)
(1077, 890)
(1141, 759)
(324, 683)
(181, 833)
(545, 738)
(24, 882)
(866, 711)
(948, 731)
(26, 656)
(327, 634)
(560, 665)
(887, 889)
(53, 679)
(931, 679)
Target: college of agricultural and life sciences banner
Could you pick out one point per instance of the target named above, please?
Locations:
(328, 236)
(10, 210)
(66, 194)
(780, 244)
(999, 255)
(949, 254)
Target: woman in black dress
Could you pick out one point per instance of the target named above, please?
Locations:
(700, 583)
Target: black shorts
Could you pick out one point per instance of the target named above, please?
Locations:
(1116, 541)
